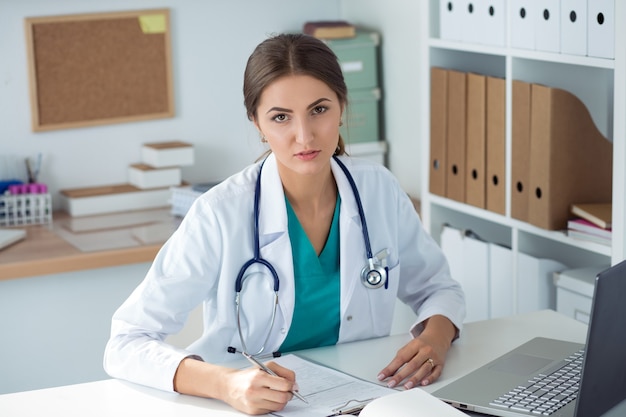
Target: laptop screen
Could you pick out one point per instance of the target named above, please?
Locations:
(604, 370)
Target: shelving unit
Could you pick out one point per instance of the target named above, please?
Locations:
(599, 83)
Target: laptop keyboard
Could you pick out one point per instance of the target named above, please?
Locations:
(548, 391)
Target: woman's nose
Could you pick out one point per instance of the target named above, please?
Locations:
(304, 133)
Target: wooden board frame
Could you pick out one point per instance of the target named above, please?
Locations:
(99, 68)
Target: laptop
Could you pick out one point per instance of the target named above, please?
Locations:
(588, 391)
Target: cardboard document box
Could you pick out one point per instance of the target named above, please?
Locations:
(475, 163)
(455, 140)
(469, 265)
(362, 116)
(358, 58)
(492, 16)
(501, 299)
(574, 27)
(521, 18)
(570, 160)
(520, 150)
(495, 198)
(438, 129)
(601, 28)
(548, 26)
(450, 26)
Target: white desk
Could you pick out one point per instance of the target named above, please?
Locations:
(479, 343)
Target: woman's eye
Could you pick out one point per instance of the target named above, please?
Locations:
(319, 109)
(280, 117)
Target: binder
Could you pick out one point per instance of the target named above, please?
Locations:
(455, 136)
(475, 165)
(495, 136)
(547, 26)
(468, 259)
(574, 27)
(601, 28)
(472, 30)
(535, 288)
(520, 150)
(492, 16)
(570, 160)
(522, 23)
(438, 129)
(450, 27)
(501, 298)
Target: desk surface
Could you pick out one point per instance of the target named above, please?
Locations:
(44, 251)
(479, 343)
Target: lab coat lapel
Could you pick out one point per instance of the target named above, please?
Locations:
(352, 245)
(274, 242)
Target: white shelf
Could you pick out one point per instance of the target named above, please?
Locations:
(599, 83)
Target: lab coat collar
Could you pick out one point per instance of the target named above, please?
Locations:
(272, 197)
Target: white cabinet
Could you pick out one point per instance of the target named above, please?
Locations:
(600, 83)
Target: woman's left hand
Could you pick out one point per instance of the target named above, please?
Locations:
(421, 361)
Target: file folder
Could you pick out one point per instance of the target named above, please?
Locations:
(475, 190)
(570, 160)
(450, 20)
(601, 28)
(501, 299)
(455, 137)
(522, 23)
(496, 147)
(574, 27)
(520, 150)
(547, 26)
(535, 288)
(492, 16)
(438, 129)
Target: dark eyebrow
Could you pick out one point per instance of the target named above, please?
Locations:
(316, 102)
(283, 110)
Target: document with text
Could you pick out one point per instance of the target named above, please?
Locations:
(327, 390)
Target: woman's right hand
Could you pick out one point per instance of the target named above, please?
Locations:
(253, 391)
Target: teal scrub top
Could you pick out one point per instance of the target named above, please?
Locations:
(315, 319)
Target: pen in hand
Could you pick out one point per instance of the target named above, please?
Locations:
(264, 368)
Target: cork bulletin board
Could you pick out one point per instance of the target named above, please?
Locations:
(104, 68)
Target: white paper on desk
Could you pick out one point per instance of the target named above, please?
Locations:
(325, 389)
(412, 403)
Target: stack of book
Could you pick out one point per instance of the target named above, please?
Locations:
(330, 29)
(593, 223)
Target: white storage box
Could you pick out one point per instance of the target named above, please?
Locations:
(145, 176)
(574, 291)
(167, 154)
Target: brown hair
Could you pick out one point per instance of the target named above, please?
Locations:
(292, 54)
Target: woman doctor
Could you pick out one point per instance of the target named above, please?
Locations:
(335, 249)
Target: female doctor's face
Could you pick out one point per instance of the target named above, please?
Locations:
(299, 116)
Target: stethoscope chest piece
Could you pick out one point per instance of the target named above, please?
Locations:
(374, 273)
(373, 278)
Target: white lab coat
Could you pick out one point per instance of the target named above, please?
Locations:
(202, 259)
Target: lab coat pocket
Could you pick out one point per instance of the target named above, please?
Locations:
(383, 301)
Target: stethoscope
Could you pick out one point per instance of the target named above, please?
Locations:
(373, 275)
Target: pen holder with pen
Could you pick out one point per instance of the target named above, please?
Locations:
(25, 204)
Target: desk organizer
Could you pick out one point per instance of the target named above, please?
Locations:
(25, 209)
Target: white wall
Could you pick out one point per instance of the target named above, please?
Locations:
(398, 23)
(211, 41)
